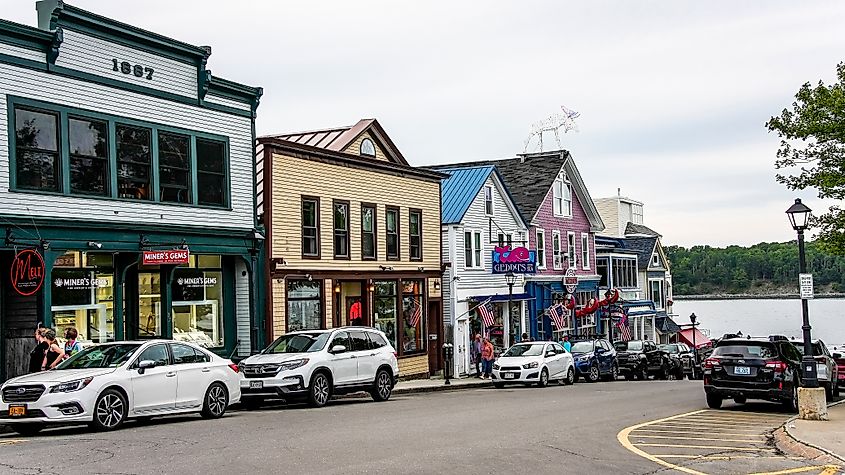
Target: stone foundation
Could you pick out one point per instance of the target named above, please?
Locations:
(812, 405)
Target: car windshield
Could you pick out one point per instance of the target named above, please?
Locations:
(525, 350)
(102, 356)
(628, 345)
(299, 343)
(751, 350)
(817, 348)
(582, 347)
(671, 349)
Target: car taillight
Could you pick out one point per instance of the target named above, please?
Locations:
(709, 363)
(234, 367)
(778, 366)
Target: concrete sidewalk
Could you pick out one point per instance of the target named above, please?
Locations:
(827, 436)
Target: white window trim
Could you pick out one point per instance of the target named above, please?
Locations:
(655, 257)
(573, 261)
(540, 236)
(557, 264)
(567, 186)
(565, 211)
(658, 305)
(585, 251)
(473, 232)
(480, 265)
(492, 202)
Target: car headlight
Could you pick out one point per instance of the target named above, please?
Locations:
(293, 364)
(530, 365)
(583, 358)
(496, 366)
(71, 386)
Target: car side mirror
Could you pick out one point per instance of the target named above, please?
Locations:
(550, 354)
(599, 351)
(337, 349)
(837, 355)
(146, 364)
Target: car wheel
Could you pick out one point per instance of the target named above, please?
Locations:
(714, 401)
(498, 385)
(28, 429)
(216, 401)
(383, 386)
(320, 390)
(594, 374)
(828, 392)
(680, 375)
(664, 371)
(836, 390)
(643, 373)
(791, 404)
(629, 376)
(109, 411)
(570, 377)
(740, 399)
(544, 378)
(614, 372)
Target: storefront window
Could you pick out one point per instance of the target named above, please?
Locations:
(89, 156)
(413, 312)
(384, 304)
(149, 304)
(134, 155)
(37, 150)
(82, 291)
(305, 305)
(198, 302)
(174, 167)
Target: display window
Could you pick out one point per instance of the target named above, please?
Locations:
(304, 305)
(82, 292)
(149, 304)
(413, 317)
(197, 301)
(384, 309)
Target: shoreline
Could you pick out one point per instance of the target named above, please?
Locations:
(753, 297)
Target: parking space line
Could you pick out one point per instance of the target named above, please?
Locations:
(685, 426)
(826, 470)
(695, 438)
(622, 437)
(711, 432)
(711, 447)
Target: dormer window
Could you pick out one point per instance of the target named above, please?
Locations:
(368, 149)
(562, 195)
(655, 260)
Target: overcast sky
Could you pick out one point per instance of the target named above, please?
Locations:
(673, 95)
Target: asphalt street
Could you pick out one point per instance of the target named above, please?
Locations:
(560, 429)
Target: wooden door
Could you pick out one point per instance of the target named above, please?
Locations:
(435, 327)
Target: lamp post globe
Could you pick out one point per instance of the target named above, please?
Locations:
(799, 219)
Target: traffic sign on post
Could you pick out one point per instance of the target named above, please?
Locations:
(570, 281)
(805, 283)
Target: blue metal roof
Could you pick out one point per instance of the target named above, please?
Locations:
(459, 190)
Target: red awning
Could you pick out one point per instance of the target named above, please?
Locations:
(700, 339)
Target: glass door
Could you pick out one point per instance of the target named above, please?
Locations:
(149, 305)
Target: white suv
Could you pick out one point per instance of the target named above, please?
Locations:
(317, 364)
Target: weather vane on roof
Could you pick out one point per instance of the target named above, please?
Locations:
(553, 123)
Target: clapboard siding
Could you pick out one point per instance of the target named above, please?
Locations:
(294, 177)
(93, 55)
(227, 102)
(242, 308)
(355, 147)
(415, 366)
(15, 81)
(21, 52)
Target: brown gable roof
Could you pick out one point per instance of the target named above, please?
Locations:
(338, 138)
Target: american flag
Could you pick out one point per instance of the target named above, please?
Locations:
(557, 314)
(622, 325)
(486, 314)
(417, 315)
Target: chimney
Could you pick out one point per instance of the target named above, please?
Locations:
(619, 192)
(45, 10)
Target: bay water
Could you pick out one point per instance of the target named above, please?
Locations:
(762, 317)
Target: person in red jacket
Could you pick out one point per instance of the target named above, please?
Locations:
(487, 358)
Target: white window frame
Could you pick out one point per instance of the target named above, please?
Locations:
(562, 196)
(488, 199)
(571, 250)
(585, 251)
(540, 234)
(557, 254)
(655, 260)
(637, 214)
(474, 264)
(661, 304)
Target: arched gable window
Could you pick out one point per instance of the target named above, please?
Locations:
(368, 149)
(562, 198)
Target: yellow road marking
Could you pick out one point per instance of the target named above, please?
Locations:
(691, 438)
(714, 447)
(658, 431)
(11, 441)
(827, 470)
(687, 426)
(725, 457)
(622, 437)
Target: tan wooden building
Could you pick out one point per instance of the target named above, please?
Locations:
(353, 236)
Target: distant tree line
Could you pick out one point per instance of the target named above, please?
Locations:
(763, 268)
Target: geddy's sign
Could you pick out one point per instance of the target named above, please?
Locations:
(518, 260)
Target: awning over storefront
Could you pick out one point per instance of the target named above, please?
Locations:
(700, 340)
(666, 325)
(502, 298)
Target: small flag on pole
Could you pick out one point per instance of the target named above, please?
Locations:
(486, 314)
(417, 315)
(622, 325)
(557, 314)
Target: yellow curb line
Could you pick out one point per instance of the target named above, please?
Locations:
(11, 441)
(828, 470)
(622, 437)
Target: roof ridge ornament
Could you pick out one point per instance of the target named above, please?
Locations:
(553, 123)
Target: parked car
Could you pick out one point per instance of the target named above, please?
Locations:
(641, 358)
(315, 365)
(534, 363)
(104, 385)
(594, 359)
(682, 359)
(839, 356)
(826, 368)
(754, 368)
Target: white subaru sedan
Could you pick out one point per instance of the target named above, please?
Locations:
(107, 384)
(534, 363)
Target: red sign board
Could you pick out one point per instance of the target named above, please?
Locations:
(27, 272)
(175, 256)
(570, 280)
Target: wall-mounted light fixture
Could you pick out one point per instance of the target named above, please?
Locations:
(371, 287)
(95, 245)
(337, 288)
(420, 269)
(385, 268)
(436, 284)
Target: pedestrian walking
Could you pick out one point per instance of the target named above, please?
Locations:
(72, 346)
(487, 358)
(566, 344)
(54, 354)
(475, 354)
(36, 356)
(525, 337)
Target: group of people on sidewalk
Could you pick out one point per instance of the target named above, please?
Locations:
(47, 353)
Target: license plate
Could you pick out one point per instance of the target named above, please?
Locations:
(742, 370)
(509, 375)
(256, 384)
(17, 411)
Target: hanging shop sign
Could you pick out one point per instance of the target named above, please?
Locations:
(518, 260)
(173, 257)
(570, 280)
(27, 273)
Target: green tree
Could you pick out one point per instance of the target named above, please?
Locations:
(812, 148)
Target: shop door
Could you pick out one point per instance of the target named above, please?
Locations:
(435, 331)
(462, 342)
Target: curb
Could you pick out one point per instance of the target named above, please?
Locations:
(444, 387)
(785, 428)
